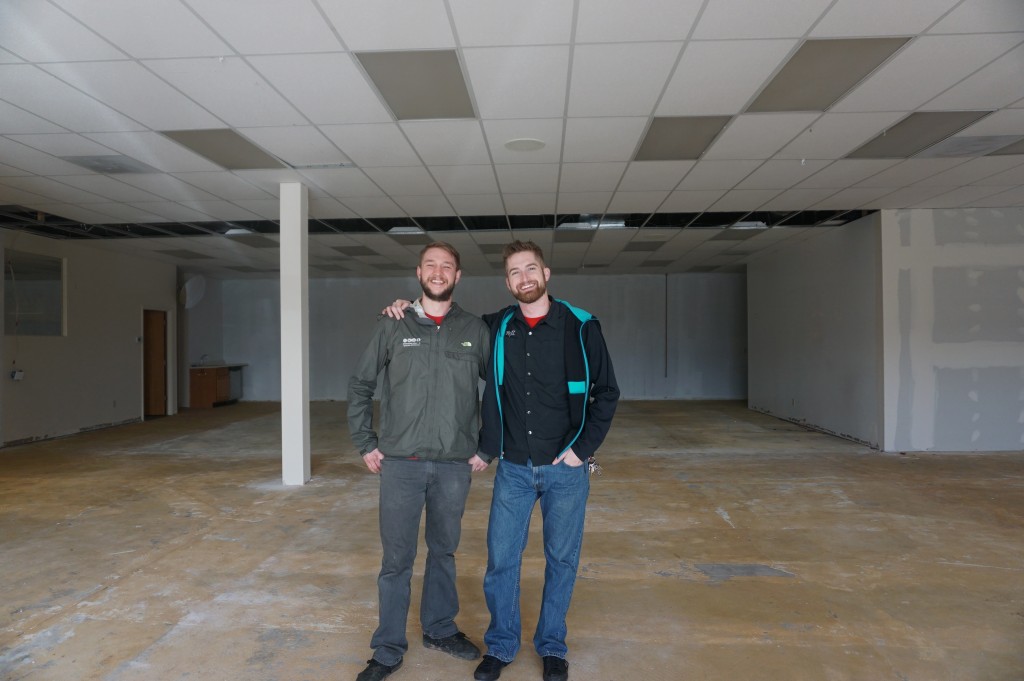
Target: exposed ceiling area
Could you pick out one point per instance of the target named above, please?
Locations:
(623, 136)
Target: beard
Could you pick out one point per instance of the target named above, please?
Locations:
(533, 295)
(442, 296)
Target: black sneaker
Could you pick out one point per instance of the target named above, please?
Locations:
(375, 671)
(456, 645)
(555, 669)
(489, 669)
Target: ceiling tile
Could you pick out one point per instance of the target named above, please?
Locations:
(477, 204)
(374, 207)
(691, 201)
(128, 212)
(1012, 176)
(636, 202)
(412, 181)
(525, 22)
(797, 199)
(834, 135)
(904, 198)
(744, 199)
(343, 182)
(1010, 197)
(262, 26)
(849, 18)
(108, 187)
(593, 203)
(223, 184)
(173, 212)
(599, 70)
(982, 16)
(465, 179)
(781, 174)
(758, 136)
(167, 187)
(1005, 122)
(50, 28)
(518, 82)
(717, 175)
(740, 69)
(149, 30)
(547, 130)
(52, 190)
(527, 178)
(62, 144)
(976, 171)
(594, 177)
(909, 172)
(424, 206)
(855, 197)
(391, 24)
(612, 21)
(654, 175)
(997, 85)
(28, 160)
(419, 84)
(155, 150)
(322, 208)
(222, 210)
(725, 19)
(270, 209)
(16, 121)
(602, 139)
(923, 69)
(846, 172)
(916, 133)
(70, 211)
(373, 144)
(958, 197)
(325, 88)
(447, 143)
(297, 145)
(530, 204)
(270, 180)
(230, 89)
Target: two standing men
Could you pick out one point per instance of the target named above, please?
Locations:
(548, 403)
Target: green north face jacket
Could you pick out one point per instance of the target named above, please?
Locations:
(429, 400)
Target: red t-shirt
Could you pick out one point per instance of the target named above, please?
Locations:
(437, 320)
(533, 321)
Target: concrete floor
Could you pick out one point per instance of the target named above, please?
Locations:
(720, 544)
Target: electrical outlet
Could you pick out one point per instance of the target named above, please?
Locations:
(17, 374)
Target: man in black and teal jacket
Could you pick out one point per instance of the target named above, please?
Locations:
(548, 403)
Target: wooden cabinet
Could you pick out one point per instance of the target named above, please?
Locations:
(210, 386)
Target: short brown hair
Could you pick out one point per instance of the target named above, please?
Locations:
(444, 246)
(518, 246)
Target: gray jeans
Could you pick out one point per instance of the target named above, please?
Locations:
(406, 487)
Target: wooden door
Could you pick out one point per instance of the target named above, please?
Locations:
(154, 364)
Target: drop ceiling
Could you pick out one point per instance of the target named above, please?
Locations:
(678, 135)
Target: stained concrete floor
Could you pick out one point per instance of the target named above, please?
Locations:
(720, 544)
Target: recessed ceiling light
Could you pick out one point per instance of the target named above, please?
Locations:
(525, 144)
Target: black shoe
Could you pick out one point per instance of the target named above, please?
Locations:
(489, 669)
(375, 671)
(456, 645)
(555, 669)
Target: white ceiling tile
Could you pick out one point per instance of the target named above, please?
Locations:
(594, 203)
(547, 130)
(855, 197)
(836, 134)
(52, 190)
(326, 88)
(75, 40)
(781, 174)
(1010, 197)
(477, 204)
(343, 182)
(373, 144)
(976, 171)
(648, 175)
(910, 171)
(29, 160)
(593, 177)
(223, 184)
(8, 58)
(297, 145)
(71, 211)
(447, 143)
(108, 187)
(983, 16)
(38, 92)
(136, 92)
(922, 70)
(636, 202)
(858, 18)
(904, 198)
(230, 89)
(846, 172)
(606, 82)
(797, 199)
(1012, 176)
(717, 175)
(724, 19)
(390, 24)
(374, 207)
(611, 21)
(269, 180)
(529, 204)
(323, 208)
(527, 178)
(691, 201)
(411, 181)
(518, 82)
(152, 29)
(744, 199)
(221, 210)
(263, 26)
(154, 150)
(13, 195)
(1005, 122)
(959, 197)
(63, 144)
(754, 136)
(602, 139)
(126, 212)
(997, 85)
(424, 206)
(740, 69)
(167, 187)
(525, 22)
(465, 179)
(16, 121)
(270, 209)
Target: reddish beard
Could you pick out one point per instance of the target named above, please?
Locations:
(531, 296)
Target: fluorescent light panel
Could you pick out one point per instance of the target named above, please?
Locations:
(679, 138)
(420, 84)
(822, 71)
(224, 147)
(111, 164)
(916, 132)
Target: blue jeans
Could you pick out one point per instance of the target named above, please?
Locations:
(562, 492)
(406, 487)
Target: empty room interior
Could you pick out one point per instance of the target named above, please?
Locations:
(799, 222)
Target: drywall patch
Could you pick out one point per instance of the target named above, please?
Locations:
(979, 226)
(980, 408)
(905, 398)
(978, 304)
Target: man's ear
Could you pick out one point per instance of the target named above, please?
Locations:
(458, 276)
(547, 274)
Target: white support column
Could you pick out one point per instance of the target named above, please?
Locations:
(295, 447)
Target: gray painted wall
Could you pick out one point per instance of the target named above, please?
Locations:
(814, 329)
(703, 326)
(953, 330)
